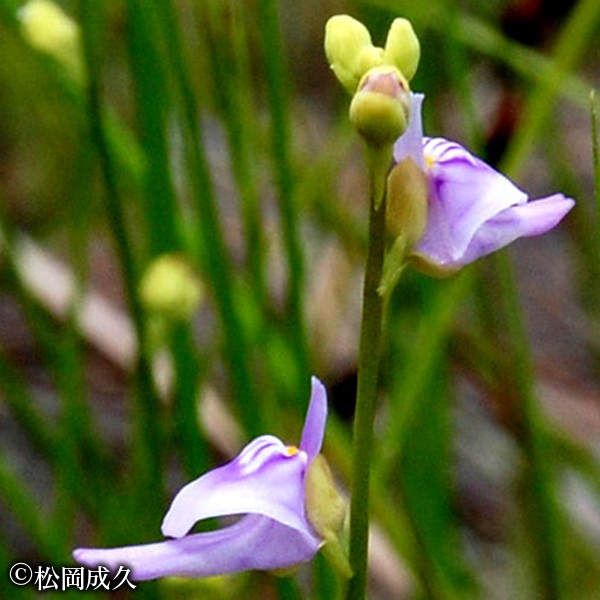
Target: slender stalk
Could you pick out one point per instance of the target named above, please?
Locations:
(368, 374)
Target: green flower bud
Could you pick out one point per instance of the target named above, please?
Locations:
(407, 202)
(402, 48)
(368, 58)
(406, 219)
(349, 50)
(325, 507)
(170, 288)
(380, 107)
(48, 29)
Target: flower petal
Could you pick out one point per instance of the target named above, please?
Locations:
(410, 143)
(534, 218)
(314, 426)
(464, 193)
(266, 478)
(254, 542)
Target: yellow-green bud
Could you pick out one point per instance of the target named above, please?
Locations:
(407, 202)
(325, 507)
(170, 288)
(368, 58)
(380, 107)
(349, 50)
(402, 48)
(48, 29)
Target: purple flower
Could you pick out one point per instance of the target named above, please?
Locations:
(265, 483)
(472, 210)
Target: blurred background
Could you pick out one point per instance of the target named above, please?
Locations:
(183, 208)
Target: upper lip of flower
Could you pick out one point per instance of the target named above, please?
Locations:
(472, 209)
(266, 483)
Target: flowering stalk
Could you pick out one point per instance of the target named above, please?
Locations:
(368, 374)
(378, 79)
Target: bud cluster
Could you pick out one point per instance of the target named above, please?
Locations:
(376, 77)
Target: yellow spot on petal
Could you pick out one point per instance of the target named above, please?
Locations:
(291, 450)
(429, 160)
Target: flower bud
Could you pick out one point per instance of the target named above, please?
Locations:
(407, 202)
(349, 50)
(170, 288)
(380, 107)
(325, 507)
(48, 29)
(402, 48)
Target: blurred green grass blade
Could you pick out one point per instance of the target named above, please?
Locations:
(74, 439)
(457, 62)
(190, 371)
(484, 38)
(230, 66)
(425, 469)
(148, 443)
(25, 508)
(573, 454)
(23, 407)
(544, 519)
(426, 349)
(573, 41)
(280, 109)
(151, 85)
(288, 588)
(596, 160)
(7, 588)
(214, 258)
(123, 146)
(154, 105)
(593, 262)
(583, 224)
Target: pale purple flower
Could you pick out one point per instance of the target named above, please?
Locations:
(265, 483)
(472, 209)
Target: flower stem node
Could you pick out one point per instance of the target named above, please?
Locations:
(380, 108)
(170, 288)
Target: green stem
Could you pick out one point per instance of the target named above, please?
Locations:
(368, 375)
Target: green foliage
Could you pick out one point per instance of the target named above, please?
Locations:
(212, 128)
